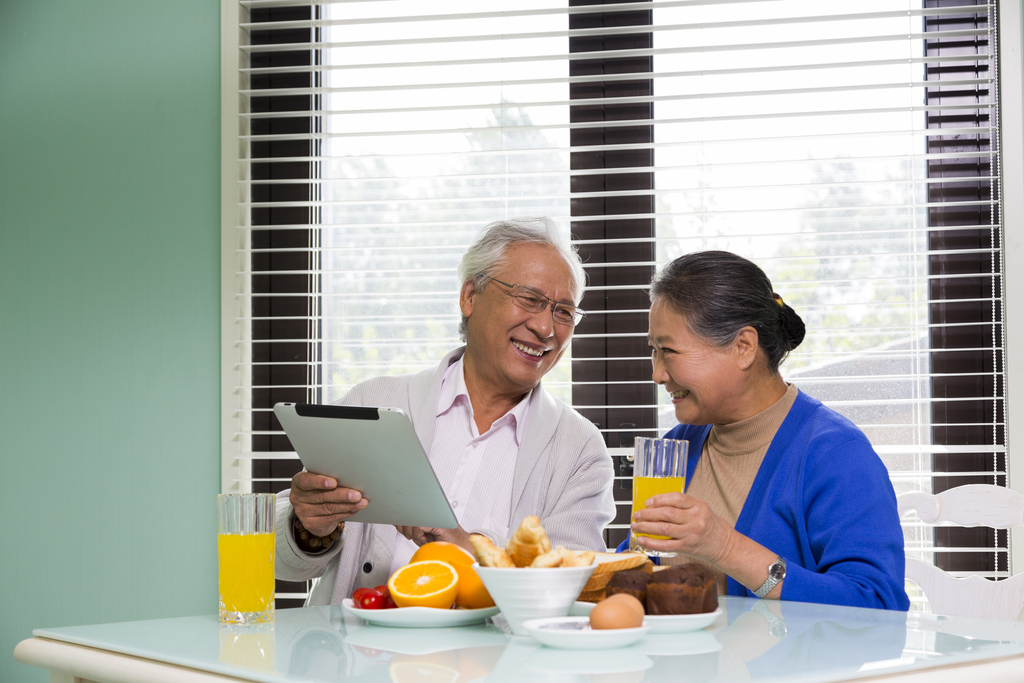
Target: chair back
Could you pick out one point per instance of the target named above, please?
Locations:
(972, 505)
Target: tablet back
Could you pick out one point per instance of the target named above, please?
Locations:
(372, 450)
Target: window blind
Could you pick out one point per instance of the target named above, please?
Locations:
(851, 151)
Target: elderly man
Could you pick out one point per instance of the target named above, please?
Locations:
(502, 447)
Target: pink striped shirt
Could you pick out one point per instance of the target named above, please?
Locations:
(475, 470)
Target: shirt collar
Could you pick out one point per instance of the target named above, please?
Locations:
(453, 389)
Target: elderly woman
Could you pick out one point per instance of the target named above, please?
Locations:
(785, 498)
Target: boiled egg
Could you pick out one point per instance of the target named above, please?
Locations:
(618, 613)
(629, 600)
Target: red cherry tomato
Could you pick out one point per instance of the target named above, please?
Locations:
(358, 593)
(371, 599)
(388, 602)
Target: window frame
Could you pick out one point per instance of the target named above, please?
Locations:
(235, 355)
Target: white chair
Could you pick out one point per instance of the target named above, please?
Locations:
(971, 505)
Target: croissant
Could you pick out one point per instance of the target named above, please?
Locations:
(528, 542)
(571, 559)
(488, 554)
(552, 558)
(560, 557)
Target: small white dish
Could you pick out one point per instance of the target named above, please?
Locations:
(581, 609)
(681, 623)
(420, 617)
(574, 633)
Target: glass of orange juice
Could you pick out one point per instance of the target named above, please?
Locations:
(659, 466)
(245, 557)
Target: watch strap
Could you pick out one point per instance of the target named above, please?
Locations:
(776, 573)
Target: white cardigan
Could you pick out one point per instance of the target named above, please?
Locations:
(563, 474)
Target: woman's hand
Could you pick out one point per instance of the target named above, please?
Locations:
(693, 529)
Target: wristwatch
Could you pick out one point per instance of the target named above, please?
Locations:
(776, 573)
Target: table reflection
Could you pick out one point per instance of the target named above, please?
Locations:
(750, 640)
(248, 646)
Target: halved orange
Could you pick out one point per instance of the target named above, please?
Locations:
(430, 583)
(472, 594)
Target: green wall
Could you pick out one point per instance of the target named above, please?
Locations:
(109, 313)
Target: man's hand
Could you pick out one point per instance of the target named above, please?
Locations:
(320, 505)
(420, 536)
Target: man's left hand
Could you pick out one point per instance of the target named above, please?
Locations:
(421, 535)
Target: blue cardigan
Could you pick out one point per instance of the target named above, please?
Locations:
(823, 501)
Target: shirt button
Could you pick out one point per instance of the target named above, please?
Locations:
(455, 503)
(475, 444)
(367, 568)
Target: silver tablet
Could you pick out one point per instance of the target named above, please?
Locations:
(372, 450)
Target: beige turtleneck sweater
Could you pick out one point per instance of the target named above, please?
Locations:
(729, 463)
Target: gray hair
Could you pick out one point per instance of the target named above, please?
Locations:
(487, 252)
(720, 293)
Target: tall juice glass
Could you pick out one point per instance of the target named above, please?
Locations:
(245, 557)
(659, 466)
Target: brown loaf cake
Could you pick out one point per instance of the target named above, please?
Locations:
(632, 582)
(596, 588)
(685, 589)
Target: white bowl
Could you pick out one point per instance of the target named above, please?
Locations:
(527, 593)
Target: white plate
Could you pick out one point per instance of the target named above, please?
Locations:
(420, 617)
(680, 623)
(574, 633)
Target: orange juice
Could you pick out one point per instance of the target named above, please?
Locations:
(645, 487)
(246, 576)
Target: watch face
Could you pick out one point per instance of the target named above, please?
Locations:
(777, 571)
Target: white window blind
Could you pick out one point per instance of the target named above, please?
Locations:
(850, 150)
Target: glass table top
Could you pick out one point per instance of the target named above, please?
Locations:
(752, 639)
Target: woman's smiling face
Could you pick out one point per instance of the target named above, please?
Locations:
(705, 381)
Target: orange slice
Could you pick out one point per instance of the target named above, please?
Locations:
(430, 583)
(472, 594)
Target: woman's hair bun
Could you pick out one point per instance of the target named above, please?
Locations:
(791, 326)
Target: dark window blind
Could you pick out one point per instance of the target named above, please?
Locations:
(284, 163)
(965, 284)
(613, 220)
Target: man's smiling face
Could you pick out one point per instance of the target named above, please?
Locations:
(507, 348)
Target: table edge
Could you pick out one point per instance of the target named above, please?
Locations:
(107, 666)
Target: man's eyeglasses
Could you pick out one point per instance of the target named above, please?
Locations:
(534, 302)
